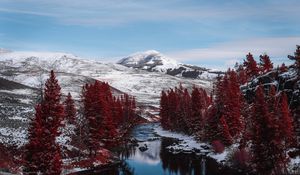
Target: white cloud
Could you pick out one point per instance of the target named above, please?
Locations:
(112, 12)
(230, 52)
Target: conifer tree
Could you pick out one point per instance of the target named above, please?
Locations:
(283, 68)
(70, 109)
(251, 66)
(265, 63)
(286, 122)
(196, 122)
(262, 134)
(226, 136)
(296, 58)
(49, 117)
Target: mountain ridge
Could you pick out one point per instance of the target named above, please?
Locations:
(154, 61)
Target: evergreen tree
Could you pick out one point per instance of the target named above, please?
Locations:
(251, 66)
(42, 144)
(70, 109)
(196, 122)
(226, 136)
(233, 104)
(34, 147)
(286, 122)
(265, 63)
(296, 58)
(283, 68)
(262, 134)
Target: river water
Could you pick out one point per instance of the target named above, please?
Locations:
(150, 157)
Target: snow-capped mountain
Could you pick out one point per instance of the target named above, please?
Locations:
(27, 71)
(150, 60)
(29, 68)
(153, 61)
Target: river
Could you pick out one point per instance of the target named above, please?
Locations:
(150, 157)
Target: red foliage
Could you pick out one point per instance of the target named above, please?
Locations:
(283, 68)
(286, 122)
(218, 146)
(265, 63)
(242, 76)
(296, 58)
(251, 66)
(242, 158)
(225, 132)
(8, 160)
(105, 115)
(42, 152)
(70, 109)
(183, 112)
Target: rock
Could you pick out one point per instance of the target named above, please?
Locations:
(143, 148)
(205, 147)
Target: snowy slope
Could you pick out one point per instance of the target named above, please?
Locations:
(27, 71)
(154, 61)
(150, 59)
(30, 68)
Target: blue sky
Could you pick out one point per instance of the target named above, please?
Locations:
(213, 33)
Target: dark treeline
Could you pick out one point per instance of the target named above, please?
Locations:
(264, 125)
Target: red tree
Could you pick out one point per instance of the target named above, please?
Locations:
(286, 122)
(34, 147)
(165, 123)
(44, 130)
(251, 66)
(283, 68)
(268, 144)
(265, 63)
(196, 122)
(226, 136)
(296, 58)
(233, 104)
(104, 113)
(262, 134)
(70, 109)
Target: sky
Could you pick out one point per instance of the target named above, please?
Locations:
(214, 33)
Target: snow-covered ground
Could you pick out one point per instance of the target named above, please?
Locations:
(190, 144)
(32, 68)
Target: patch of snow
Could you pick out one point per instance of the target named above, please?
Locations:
(18, 118)
(26, 101)
(13, 136)
(189, 143)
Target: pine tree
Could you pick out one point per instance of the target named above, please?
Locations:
(286, 122)
(70, 109)
(296, 58)
(251, 66)
(117, 112)
(268, 144)
(165, 123)
(196, 122)
(283, 68)
(262, 134)
(265, 63)
(226, 136)
(42, 144)
(34, 147)
(233, 102)
(242, 76)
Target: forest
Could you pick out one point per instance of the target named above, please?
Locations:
(246, 109)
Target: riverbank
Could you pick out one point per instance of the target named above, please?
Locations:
(188, 144)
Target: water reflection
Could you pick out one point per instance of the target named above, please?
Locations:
(157, 160)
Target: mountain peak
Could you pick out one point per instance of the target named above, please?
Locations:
(150, 59)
